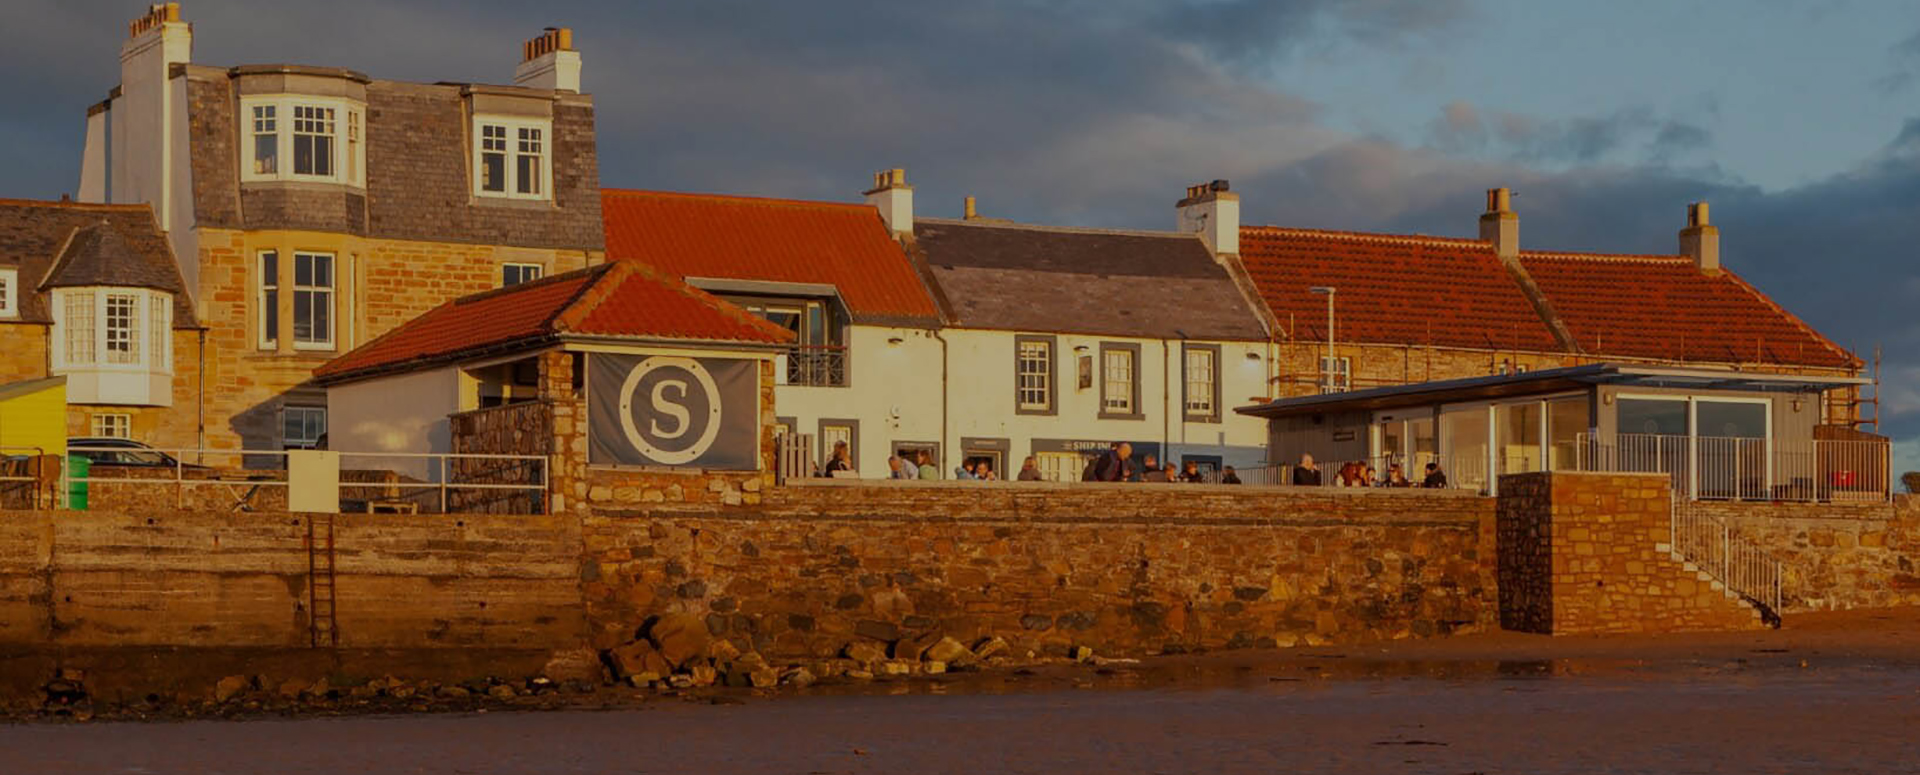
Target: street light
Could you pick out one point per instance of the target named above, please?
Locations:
(1327, 368)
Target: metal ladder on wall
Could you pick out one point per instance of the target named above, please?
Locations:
(322, 622)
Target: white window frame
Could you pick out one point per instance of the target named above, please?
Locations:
(1029, 381)
(81, 344)
(1336, 380)
(111, 425)
(1199, 393)
(1112, 380)
(304, 413)
(348, 146)
(332, 293)
(510, 184)
(266, 298)
(538, 270)
(9, 293)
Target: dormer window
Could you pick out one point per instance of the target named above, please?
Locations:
(510, 158)
(114, 344)
(313, 134)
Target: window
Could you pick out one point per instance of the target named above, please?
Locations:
(1199, 370)
(835, 431)
(1033, 375)
(269, 299)
(113, 426)
(511, 158)
(9, 293)
(160, 328)
(266, 140)
(1336, 374)
(1119, 393)
(123, 328)
(353, 146)
(313, 300)
(303, 427)
(313, 137)
(817, 358)
(79, 324)
(515, 274)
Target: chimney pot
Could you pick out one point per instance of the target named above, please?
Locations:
(1212, 211)
(970, 212)
(894, 199)
(549, 61)
(1500, 225)
(1700, 241)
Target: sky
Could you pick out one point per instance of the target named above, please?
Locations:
(1799, 121)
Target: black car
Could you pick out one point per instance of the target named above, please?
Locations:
(105, 451)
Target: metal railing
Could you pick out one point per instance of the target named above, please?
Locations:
(1709, 543)
(817, 365)
(1727, 468)
(21, 477)
(257, 480)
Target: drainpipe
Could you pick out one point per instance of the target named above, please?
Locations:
(1166, 397)
(200, 399)
(942, 462)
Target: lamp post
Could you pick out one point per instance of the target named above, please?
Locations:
(1327, 368)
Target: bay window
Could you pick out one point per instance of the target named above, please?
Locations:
(511, 157)
(113, 344)
(316, 134)
(123, 328)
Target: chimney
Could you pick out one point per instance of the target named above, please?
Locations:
(968, 212)
(1500, 225)
(549, 62)
(140, 129)
(894, 199)
(1212, 211)
(1700, 241)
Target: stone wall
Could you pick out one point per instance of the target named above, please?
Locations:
(513, 429)
(1835, 555)
(1121, 568)
(1579, 553)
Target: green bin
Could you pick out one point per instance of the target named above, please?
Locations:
(78, 467)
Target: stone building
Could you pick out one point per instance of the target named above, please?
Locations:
(91, 293)
(315, 208)
(1416, 308)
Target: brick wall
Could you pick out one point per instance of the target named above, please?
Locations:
(1121, 568)
(1578, 554)
(1835, 555)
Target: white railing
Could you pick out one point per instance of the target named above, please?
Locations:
(1724, 468)
(793, 457)
(258, 480)
(1709, 543)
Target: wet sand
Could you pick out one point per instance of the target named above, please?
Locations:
(1832, 693)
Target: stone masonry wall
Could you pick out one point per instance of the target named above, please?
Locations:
(1835, 555)
(1602, 531)
(1120, 568)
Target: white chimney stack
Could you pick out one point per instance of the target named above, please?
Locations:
(1700, 241)
(1212, 211)
(142, 123)
(894, 199)
(1500, 225)
(549, 62)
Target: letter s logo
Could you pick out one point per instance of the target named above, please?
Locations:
(676, 411)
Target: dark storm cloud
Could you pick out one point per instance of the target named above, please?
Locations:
(1462, 128)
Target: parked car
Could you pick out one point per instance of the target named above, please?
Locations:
(104, 451)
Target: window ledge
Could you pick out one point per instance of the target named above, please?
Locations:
(300, 184)
(513, 203)
(1110, 416)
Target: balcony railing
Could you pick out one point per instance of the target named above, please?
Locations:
(1720, 468)
(817, 365)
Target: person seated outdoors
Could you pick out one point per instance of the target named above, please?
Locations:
(841, 461)
(984, 472)
(1371, 478)
(1306, 474)
(1192, 474)
(928, 472)
(1153, 472)
(1229, 476)
(1029, 470)
(1436, 478)
(965, 471)
(1397, 477)
(1114, 465)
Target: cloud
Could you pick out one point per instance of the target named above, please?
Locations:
(1905, 57)
(1462, 128)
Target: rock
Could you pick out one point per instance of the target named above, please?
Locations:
(864, 653)
(703, 675)
(990, 647)
(683, 681)
(1080, 654)
(716, 485)
(764, 678)
(230, 687)
(292, 689)
(896, 667)
(400, 692)
(502, 692)
(945, 650)
(914, 648)
(860, 675)
(877, 630)
(797, 677)
(454, 693)
(679, 637)
(934, 667)
(723, 651)
(73, 675)
(574, 665)
(319, 690)
(639, 658)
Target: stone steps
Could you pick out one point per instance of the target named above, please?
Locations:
(1715, 583)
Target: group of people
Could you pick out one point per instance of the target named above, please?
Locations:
(1116, 465)
(1360, 474)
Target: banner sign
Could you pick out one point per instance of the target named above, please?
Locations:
(660, 410)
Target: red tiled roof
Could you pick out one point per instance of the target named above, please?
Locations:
(1662, 307)
(773, 240)
(1392, 289)
(623, 299)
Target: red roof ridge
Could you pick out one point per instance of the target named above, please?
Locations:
(736, 198)
(1568, 255)
(1365, 236)
(8, 202)
(574, 313)
(995, 223)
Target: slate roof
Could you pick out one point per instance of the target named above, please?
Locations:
(1016, 277)
(619, 300)
(1419, 290)
(1392, 289)
(56, 244)
(843, 245)
(1662, 307)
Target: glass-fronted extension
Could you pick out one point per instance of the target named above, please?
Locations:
(1718, 433)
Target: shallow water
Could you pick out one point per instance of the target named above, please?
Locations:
(1856, 719)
